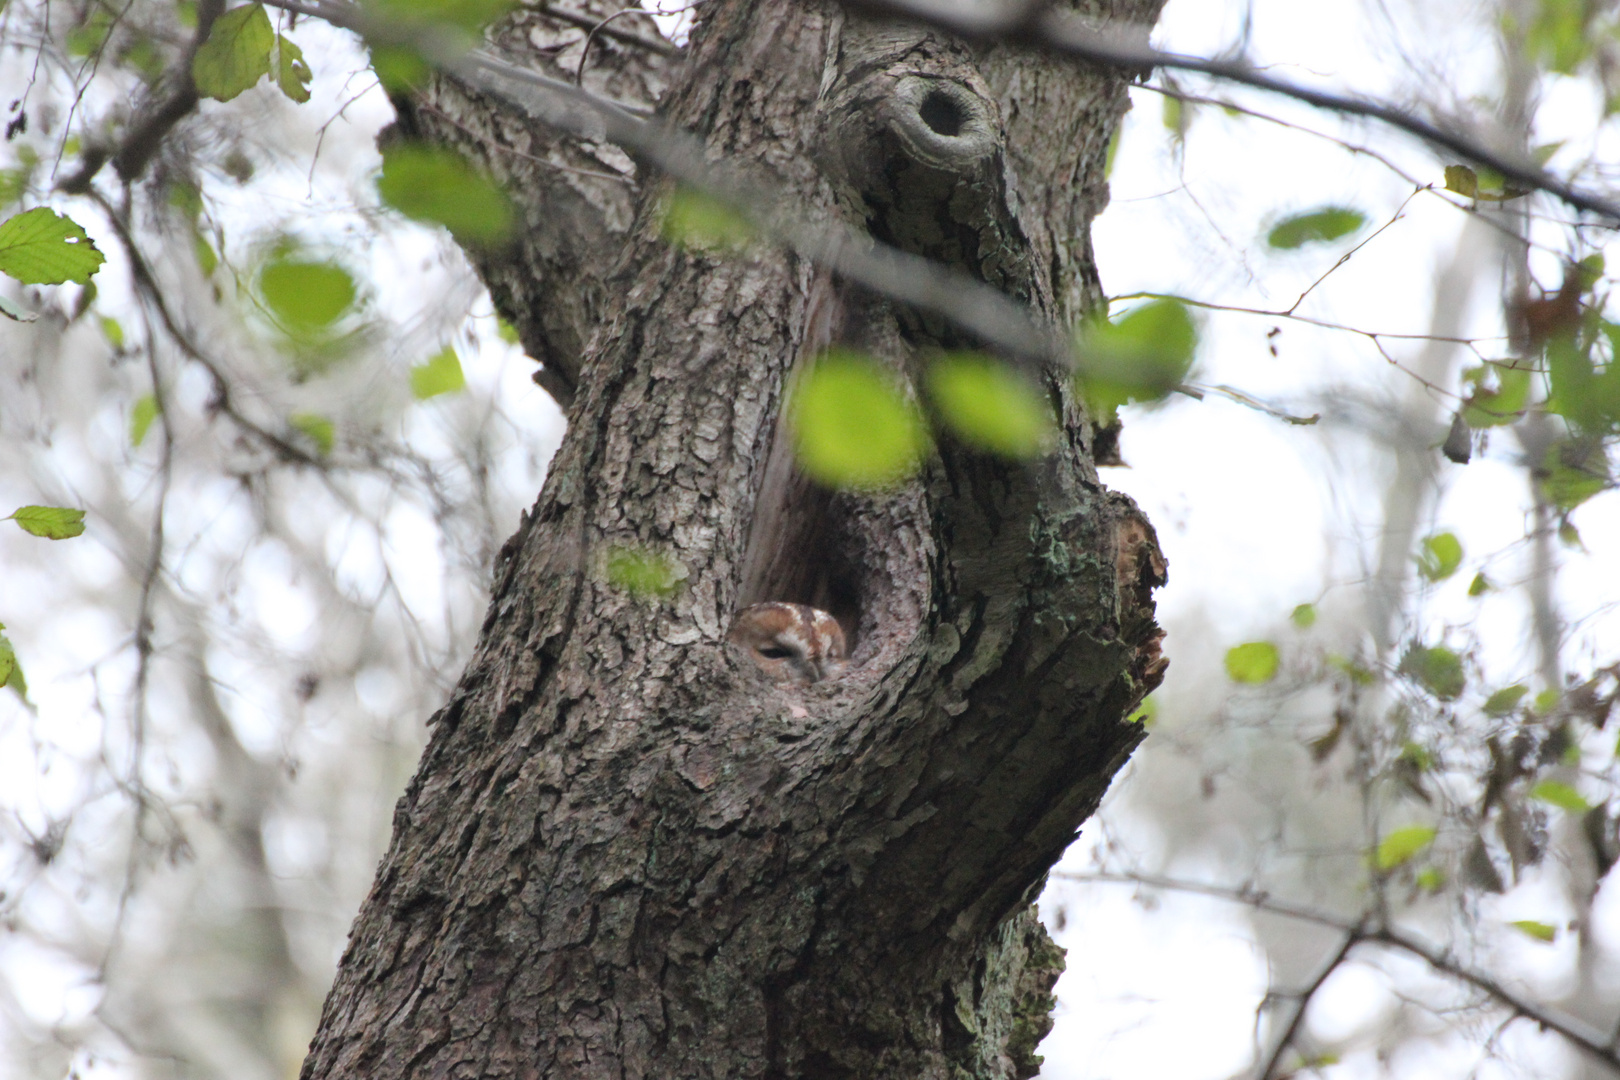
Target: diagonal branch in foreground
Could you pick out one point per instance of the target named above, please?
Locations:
(1068, 35)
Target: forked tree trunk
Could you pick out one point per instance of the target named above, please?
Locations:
(625, 853)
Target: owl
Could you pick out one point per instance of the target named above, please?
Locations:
(794, 644)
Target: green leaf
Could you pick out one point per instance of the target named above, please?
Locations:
(8, 659)
(431, 184)
(1463, 180)
(1431, 879)
(1573, 472)
(1145, 713)
(507, 332)
(1439, 556)
(1557, 36)
(1252, 662)
(1317, 226)
(1490, 407)
(1541, 931)
(1401, 846)
(1480, 585)
(852, 427)
(440, 375)
(1438, 669)
(207, 261)
(990, 406)
(141, 416)
(41, 247)
(399, 68)
(693, 219)
(1560, 795)
(51, 522)
(468, 16)
(641, 573)
(236, 54)
(1578, 391)
(304, 295)
(318, 428)
(292, 73)
(1141, 356)
(1505, 700)
(112, 331)
(1304, 616)
(1358, 674)
(1417, 756)
(1546, 701)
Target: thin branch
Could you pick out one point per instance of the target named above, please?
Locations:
(1583, 1035)
(1351, 939)
(593, 24)
(1055, 31)
(144, 137)
(146, 285)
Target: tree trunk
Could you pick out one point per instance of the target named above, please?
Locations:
(627, 854)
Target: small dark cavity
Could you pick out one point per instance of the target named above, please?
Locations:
(941, 113)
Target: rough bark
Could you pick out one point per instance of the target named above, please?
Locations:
(626, 854)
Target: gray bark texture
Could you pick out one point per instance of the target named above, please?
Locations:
(625, 854)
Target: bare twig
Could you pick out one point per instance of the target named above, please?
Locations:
(1588, 1038)
(593, 24)
(1053, 30)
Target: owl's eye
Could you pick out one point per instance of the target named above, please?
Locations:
(775, 652)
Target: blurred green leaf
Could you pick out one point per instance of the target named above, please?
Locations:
(305, 295)
(1579, 391)
(317, 428)
(1505, 700)
(141, 416)
(1316, 226)
(1541, 931)
(1417, 756)
(1546, 701)
(1438, 669)
(8, 657)
(292, 72)
(468, 16)
(1560, 795)
(507, 332)
(1252, 662)
(1141, 356)
(207, 261)
(51, 522)
(1479, 586)
(1401, 846)
(693, 219)
(1557, 35)
(990, 406)
(1490, 407)
(1462, 180)
(641, 573)
(852, 427)
(440, 375)
(1572, 472)
(112, 331)
(1304, 616)
(1358, 674)
(1431, 879)
(430, 184)
(399, 68)
(41, 247)
(236, 54)
(1439, 556)
(1146, 713)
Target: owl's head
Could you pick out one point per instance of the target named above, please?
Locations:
(791, 643)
